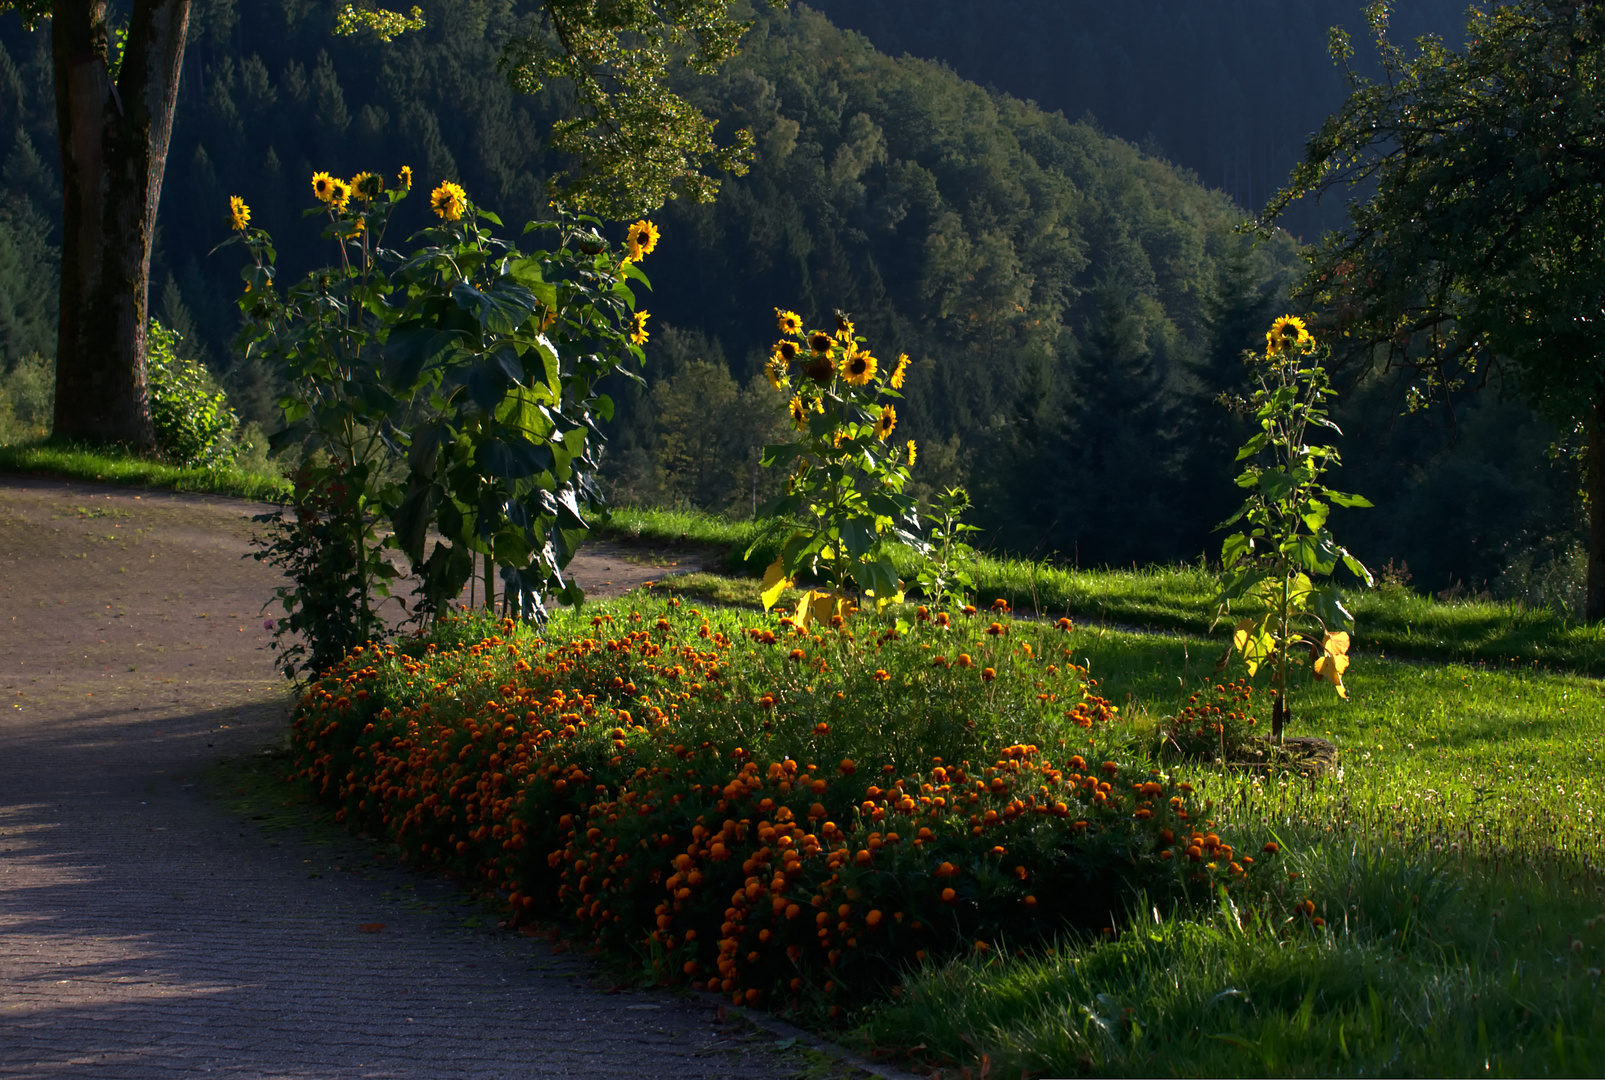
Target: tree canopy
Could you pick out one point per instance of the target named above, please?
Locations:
(1477, 254)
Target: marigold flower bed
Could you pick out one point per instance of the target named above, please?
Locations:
(791, 817)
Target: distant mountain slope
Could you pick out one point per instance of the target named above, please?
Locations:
(1227, 88)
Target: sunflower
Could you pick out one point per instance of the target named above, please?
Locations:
(404, 178)
(449, 200)
(857, 367)
(638, 332)
(1287, 334)
(887, 421)
(819, 341)
(367, 186)
(913, 452)
(790, 322)
(323, 187)
(339, 194)
(896, 381)
(844, 325)
(786, 350)
(239, 215)
(640, 239)
(799, 412)
(775, 372)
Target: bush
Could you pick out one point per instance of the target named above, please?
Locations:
(27, 398)
(786, 816)
(194, 424)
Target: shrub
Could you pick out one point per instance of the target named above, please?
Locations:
(194, 424)
(783, 815)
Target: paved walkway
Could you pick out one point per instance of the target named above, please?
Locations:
(148, 931)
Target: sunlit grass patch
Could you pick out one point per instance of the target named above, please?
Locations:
(52, 459)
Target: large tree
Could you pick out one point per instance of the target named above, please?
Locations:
(635, 144)
(1477, 253)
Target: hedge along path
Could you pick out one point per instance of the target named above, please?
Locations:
(146, 930)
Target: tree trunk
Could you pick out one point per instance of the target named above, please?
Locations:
(113, 138)
(1594, 593)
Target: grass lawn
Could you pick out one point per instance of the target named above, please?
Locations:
(51, 459)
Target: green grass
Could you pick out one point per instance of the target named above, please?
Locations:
(42, 458)
(1176, 598)
(1453, 851)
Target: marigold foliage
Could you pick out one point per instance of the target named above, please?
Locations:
(712, 797)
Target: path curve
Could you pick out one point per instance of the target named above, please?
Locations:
(146, 931)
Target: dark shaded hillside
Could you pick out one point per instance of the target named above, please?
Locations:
(1227, 88)
(1073, 304)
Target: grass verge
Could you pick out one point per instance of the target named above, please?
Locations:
(1176, 598)
(82, 463)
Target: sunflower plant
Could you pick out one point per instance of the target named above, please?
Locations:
(452, 388)
(1272, 563)
(843, 511)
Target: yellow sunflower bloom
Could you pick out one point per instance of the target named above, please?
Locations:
(323, 187)
(898, 372)
(1288, 334)
(844, 326)
(913, 452)
(404, 178)
(799, 412)
(857, 367)
(638, 332)
(887, 421)
(640, 239)
(819, 342)
(339, 194)
(775, 372)
(790, 322)
(449, 200)
(239, 215)
(786, 350)
(367, 186)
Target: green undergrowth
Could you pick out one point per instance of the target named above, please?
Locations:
(51, 459)
(1393, 620)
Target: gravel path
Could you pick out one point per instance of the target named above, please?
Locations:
(146, 930)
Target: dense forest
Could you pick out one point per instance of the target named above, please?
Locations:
(1075, 302)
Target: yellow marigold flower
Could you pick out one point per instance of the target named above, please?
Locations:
(640, 239)
(449, 200)
(367, 186)
(340, 194)
(913, 452)
(857, 367)
(790, 322)
(1287, 334)
(887, 421)
(819, 342)
(638, 332)
(404, 178)
(896, 381)
(239, 215)
(323, 187)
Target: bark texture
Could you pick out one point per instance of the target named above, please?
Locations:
(113, 136)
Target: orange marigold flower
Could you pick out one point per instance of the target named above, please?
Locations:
(988, 674)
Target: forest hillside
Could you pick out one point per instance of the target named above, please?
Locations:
(1075, 302)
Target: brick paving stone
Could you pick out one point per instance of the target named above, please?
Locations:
(146, 931)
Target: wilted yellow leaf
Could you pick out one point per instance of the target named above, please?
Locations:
(775, 582)
(1333, 662)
